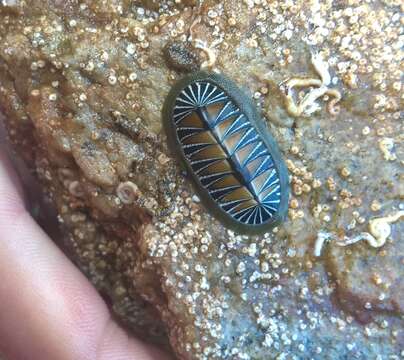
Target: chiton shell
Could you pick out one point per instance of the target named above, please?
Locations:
(232, 158)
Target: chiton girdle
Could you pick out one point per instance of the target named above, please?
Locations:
(232, 158)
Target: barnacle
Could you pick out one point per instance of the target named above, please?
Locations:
(76, 189)
(127, 192)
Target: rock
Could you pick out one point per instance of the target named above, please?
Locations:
(85, 114)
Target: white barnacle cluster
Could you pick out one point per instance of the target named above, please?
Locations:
(318, 88)
(379, 232)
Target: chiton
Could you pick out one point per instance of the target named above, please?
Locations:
(232, 158)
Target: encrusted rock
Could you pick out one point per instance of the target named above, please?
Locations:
(82, 85)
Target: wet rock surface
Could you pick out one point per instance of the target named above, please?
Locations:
(82, 87)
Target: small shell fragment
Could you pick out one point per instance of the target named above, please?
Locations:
(128, 192)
